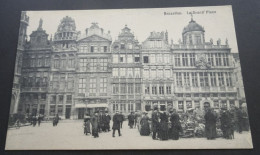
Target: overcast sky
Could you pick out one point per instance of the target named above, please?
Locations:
(143, 21)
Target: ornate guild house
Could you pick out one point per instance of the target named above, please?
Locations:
(74, 73)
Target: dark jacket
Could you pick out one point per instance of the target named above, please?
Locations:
(155, 122)
(116, 122)
(94, 122)
(106, 119)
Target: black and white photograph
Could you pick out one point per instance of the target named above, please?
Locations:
(116, 79)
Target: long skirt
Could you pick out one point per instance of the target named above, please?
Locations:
(95, 132)
(145, 130)
(163, 133)
(174, 134)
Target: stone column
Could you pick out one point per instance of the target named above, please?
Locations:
(64, 106)
(198, 76)
(47, 106)
(56, 104)
(217, 79)
(184, 106)
(228, 104)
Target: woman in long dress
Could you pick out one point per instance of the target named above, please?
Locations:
(163, 133)
(145, 128)
(175, 126)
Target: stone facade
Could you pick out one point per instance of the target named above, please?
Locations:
(73, 73)
(126, 81)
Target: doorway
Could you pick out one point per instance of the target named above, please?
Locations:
(68, 111)
(81, 113)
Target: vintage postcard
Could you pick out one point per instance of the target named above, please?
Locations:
(162, 78)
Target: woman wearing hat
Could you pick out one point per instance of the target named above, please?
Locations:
(145, 128)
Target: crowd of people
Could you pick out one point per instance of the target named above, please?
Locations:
(193, 123)
(164, 125)
(100, 122)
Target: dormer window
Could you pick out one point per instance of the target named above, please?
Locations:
(122, 46)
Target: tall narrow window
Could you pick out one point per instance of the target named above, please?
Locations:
(168, 90)
(115, 72)
(221, 79)
(229, 79)
(218, 59)
(147, 90)
(70, 81)
(137, 88)
(177, 60)
(122, 72)
(213, 79)
(130, 72)
(179, 79)
(103, 63)
(130, 88)
(62, 81)
(83, 64)
(92, 85)
(153, 73)
(137, 73)
(146, 73)
(154, 90)
(211, 59)
(93, 64)
(160, 73)
(185, 59)
(167, 73)
(103, 85)
(115, 58)
(192, 59)
(186, 79)
(194, 79)
(115, 88)
(122, 88)
(82, 85)
(129, 58)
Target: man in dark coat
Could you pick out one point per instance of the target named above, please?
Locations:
(155, 123)
(131, 120)
(94, 123)
(106, 120)
(175, 125)
(116, 124)
(121, 119)
(210, 124)
(100, 121)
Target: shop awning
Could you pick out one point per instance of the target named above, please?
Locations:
(81, 105)
(99, 105)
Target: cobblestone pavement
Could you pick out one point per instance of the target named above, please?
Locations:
(69, 135)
